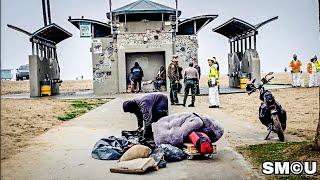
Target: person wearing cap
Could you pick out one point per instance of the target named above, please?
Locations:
(173, 75)
(213, 82)
(295, 66)
(195, 63)
(148, 109)
(191, 77)
(317, 63)
(311, 69)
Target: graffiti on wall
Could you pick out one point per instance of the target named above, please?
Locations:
(152, 38)
(102, 69)
(187, 47)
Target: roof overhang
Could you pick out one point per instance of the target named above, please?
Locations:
(237, 27)
(144, 7)
(195, 24)
(52, 33)
(116, 13)
(20, 30)
(100, 29)
(233, 28)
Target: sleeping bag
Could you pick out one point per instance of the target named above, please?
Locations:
(174, 129)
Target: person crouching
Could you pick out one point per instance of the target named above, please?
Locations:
(148, 109)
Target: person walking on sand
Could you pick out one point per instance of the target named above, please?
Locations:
(191, 77)
(213, 82)
(295, 66)
(311, 69)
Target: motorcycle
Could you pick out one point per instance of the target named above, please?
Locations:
(271, 113)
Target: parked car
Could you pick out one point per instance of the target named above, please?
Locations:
(22, 72)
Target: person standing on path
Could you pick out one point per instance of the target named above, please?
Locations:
(213, 82)
(195, 63)
(191, 77)
(295, 66)
(173, 75)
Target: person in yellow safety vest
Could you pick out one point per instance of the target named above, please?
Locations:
(311, 68)
(317, 64)
(295, 66)
(213, 82)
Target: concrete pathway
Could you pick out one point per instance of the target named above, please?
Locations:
(64, 152)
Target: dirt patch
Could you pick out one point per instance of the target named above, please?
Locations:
(17, 87)
(301, 104)
(24, 119)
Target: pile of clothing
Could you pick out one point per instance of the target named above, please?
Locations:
(136, 155)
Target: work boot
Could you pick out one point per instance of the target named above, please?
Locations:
(191, 105)
(148, 134)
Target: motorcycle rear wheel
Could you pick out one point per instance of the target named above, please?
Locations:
(278, 127)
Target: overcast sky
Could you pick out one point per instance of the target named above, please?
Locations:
(296, 30)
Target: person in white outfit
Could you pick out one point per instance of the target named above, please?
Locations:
(295, 66)
(311, 68)
(213, 82)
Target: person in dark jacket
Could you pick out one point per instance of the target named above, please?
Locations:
(137, 75)
(148, 109)
(195, 63)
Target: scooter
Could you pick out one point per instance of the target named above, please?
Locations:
(271, 113)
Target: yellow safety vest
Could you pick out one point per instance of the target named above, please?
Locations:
(318, 65)
(213, 73)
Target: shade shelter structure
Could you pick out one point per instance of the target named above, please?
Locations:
(243, 58)
(43, 61)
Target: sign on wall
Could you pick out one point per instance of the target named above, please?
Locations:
(96, 46)
(85, 29)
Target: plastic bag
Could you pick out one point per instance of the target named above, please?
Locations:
(172, 153)
(110, 148)
(157, 155)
